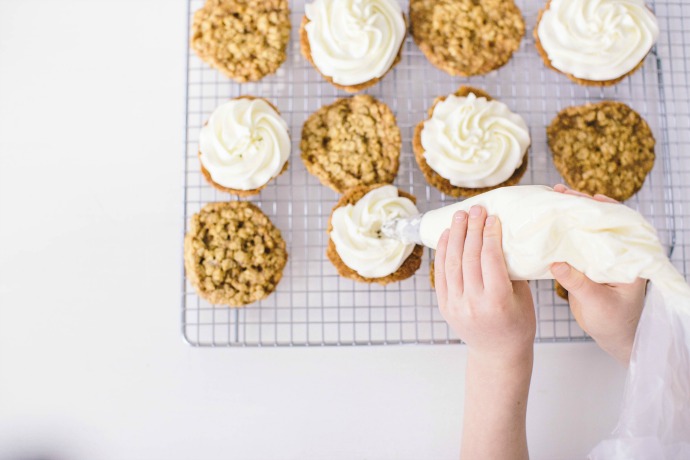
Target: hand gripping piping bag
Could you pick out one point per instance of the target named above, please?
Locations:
(610, 243)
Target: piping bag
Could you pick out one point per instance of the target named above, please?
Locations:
(610, 243)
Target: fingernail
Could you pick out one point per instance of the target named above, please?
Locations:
(460, 216)
(475, 211)
(560, 268)
(490, 221)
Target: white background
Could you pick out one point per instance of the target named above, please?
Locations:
(92, 364)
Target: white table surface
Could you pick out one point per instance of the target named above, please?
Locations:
(92, 364)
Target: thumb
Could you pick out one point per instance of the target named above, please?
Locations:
(574, 281)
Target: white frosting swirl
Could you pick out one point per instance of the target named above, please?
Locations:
(244, 144)
(354, 41)
(597, 40)
(474, 142)
(356, 232)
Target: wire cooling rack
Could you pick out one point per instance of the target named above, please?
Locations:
(313, 305)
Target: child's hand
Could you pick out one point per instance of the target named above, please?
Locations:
(607, 312)
(493, 315)
(496, 319)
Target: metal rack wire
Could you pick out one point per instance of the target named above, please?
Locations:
(313, 305)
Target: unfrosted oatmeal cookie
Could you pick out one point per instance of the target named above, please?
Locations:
(560, 290)
(604, 148)
(244, 39)
(467, 37)
(233, 254)
(357, 248)
(354, 141)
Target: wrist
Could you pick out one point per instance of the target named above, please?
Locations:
(619, 350)
(617, 346)
(514, 359)
(496, 394)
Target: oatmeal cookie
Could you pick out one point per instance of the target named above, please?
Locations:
(233, 254)
(233, 191)
(244, 39)
(236, 192)
(560, 290)
(443, 184)
(467, 37)
(432, 274)
(334, 34)
(305, 48)
(354, 141)
(581, 81)
(604, 148)
(407, 269)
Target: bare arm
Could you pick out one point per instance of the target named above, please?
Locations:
(495, 317)
(496, 408)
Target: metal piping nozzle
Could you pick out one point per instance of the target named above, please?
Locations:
(404, 229)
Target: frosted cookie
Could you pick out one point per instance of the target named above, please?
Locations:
(352, 43)
(467, 37)
(604, 148)
(354, 141)
(244, 39)
(233, 254)
(471, 144)
(244, 145)
(595, 42)
(356, 246)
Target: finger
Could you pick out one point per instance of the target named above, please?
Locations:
(639, 285)
(604, 198)
(560, 188)
(439, 270)
(471, 258)
(576, 193)
(494, 270)
(574, 281)
(454, 254)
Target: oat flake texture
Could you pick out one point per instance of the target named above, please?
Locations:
(354, 141)
(467, 37)
(604, 148)
(233, 254)
(244, 39)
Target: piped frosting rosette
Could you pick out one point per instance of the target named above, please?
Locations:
(356, 232)
(354, 41)
(474, 142)
(597, 40)
(244, 144)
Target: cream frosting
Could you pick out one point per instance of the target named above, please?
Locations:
(474, 142)
(354, 41)
(597, 40)
(244, 144)
(356, 232)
